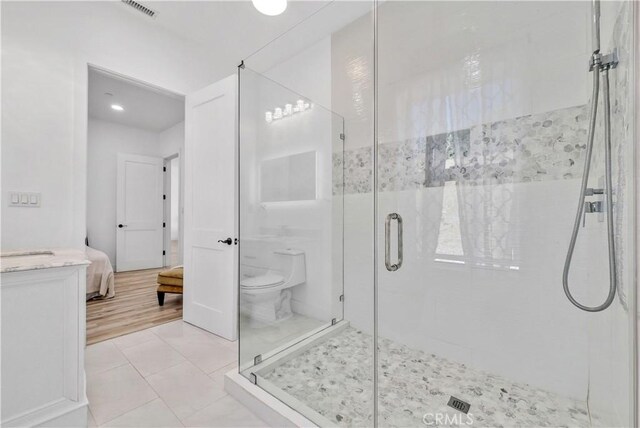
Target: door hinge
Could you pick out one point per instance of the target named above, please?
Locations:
(164, 224)
(164, 169)
(334, 321)
(164, 197)
(253, 378)
(164, 253)
(342, 137)
(341, 298)
(257, 359)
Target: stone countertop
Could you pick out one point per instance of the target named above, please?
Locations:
(24, 260)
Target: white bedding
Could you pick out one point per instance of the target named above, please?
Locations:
(100, 280)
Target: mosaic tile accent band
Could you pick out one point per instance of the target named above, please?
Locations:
(539, 147)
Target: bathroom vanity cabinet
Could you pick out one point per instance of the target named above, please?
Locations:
(43, 337)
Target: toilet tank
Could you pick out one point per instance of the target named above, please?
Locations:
(257, 258)
(292, 262)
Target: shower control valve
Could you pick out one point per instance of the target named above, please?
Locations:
(603, 62)
(591, 191)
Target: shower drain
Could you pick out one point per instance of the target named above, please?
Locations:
(458, 404)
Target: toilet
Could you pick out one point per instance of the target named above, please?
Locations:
(266, 299)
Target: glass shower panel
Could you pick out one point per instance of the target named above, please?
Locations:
(320, 361)
(482, 126)
(291, 218)
(291, 237)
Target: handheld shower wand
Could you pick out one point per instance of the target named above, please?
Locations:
(599, 65)
(595, 25)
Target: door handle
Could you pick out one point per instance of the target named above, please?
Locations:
(387, 242)
(227, 241)
(122, 225)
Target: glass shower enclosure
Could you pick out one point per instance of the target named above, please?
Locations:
(409, 174)
(290, 248)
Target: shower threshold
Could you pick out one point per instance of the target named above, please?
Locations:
(256, 375)
(328, 379)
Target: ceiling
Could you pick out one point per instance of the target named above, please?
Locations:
(232, 30)
(145, 107)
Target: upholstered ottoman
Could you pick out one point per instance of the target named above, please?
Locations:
(169, 281)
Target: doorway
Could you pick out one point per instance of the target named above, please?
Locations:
(135, 137)
(173, 230)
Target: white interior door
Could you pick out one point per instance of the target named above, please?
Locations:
(139, 208)
(210, 277)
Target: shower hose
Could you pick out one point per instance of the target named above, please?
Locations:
(604, 71)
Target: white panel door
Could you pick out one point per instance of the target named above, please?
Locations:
(139, 231)
(210, 275)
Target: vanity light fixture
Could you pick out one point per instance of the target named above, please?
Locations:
(288, 110)
(270, 7)
(117, 107)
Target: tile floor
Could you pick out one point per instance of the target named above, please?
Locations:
(171, 375)
(334, 379)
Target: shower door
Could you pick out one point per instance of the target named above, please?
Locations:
(480, 152)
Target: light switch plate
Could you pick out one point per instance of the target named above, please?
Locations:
(24, 199)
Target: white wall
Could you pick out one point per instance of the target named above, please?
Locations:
(105, 141)
(171, 140)
(45, 50)
(308, 73)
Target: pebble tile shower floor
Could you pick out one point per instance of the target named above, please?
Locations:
(334, 378)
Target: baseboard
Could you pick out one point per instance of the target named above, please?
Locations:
(64, 413)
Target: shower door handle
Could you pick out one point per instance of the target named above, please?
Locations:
(387, 242)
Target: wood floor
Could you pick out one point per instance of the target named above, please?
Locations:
(134, 308)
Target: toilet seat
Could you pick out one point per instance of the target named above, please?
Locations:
(268, 280)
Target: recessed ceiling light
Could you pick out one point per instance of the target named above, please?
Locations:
(270, 7)
(117, 107)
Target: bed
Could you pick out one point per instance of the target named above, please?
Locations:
(100, 280)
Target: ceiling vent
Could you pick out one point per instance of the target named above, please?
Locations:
(140, 8)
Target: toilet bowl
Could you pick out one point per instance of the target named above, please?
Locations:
(266, 299)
